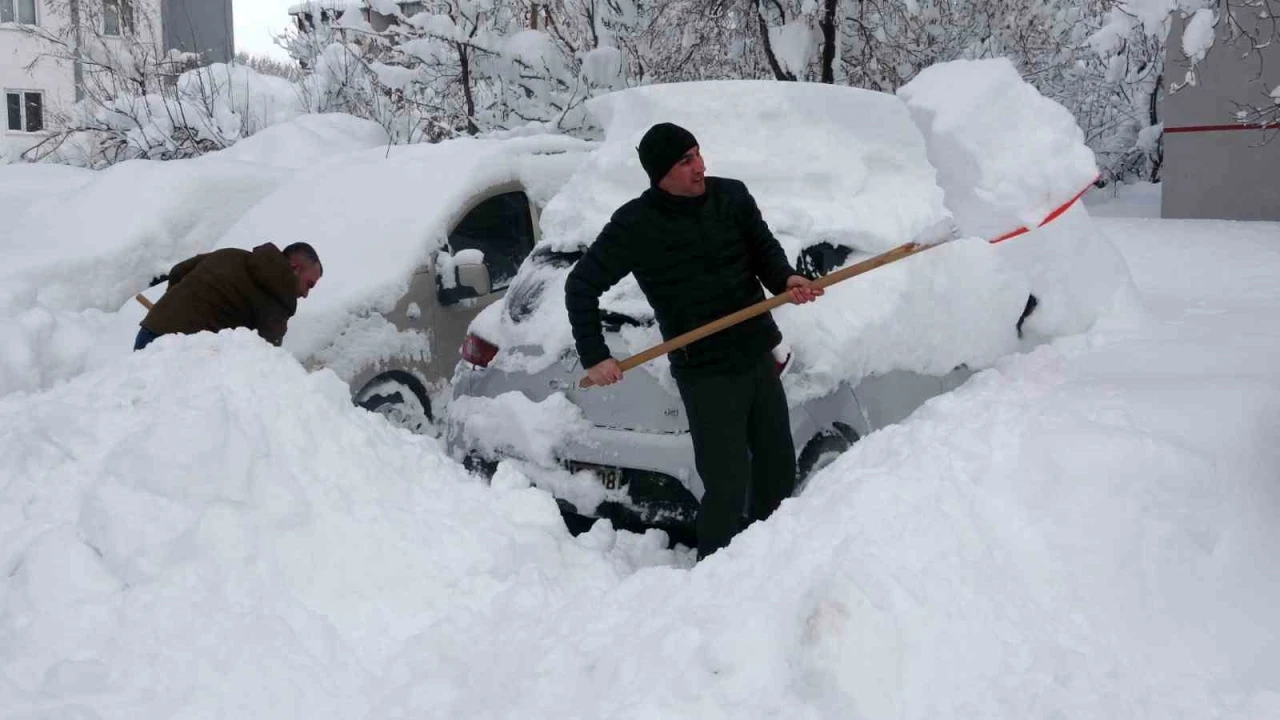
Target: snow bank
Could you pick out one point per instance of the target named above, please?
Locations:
(307, 140)
(1006, 155)
(231, 536)
(97, 244)
(378, 216)
(204, 529)
(22, 185)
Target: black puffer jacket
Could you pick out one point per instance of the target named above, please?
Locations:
(696, 259)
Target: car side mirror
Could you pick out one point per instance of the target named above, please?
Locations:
(474, 276)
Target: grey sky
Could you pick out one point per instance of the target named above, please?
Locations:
(256, 21)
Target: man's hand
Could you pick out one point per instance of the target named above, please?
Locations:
(801, 289)
(606, 372)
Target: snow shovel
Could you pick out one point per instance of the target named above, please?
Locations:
(143, 300)
(715, 326)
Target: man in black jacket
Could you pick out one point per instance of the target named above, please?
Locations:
(699, 250)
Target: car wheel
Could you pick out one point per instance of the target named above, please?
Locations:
(822, 450)
(402, 399)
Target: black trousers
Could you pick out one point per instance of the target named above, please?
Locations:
(742, 446)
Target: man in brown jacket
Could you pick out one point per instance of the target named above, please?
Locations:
(233, 288)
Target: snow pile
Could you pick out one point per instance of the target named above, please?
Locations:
(842, 165)
(307, 140)
(23, 185)
(231, 536)
(512, 425)
(97, 244)
(378, 216)
(1087, 530)
(1006, 155)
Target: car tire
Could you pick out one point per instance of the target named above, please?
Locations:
(402, 399)
(821, 450)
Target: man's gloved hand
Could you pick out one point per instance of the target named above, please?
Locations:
(801, 289)
(605, 372)
(158, 279)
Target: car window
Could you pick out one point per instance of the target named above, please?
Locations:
(526, 290)
(501, 228)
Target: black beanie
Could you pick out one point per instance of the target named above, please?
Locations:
(661, 147)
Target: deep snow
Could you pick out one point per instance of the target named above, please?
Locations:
(1083, 531)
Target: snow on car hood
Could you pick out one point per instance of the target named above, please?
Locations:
(826, 164)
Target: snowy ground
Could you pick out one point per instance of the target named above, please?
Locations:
(1085, 531)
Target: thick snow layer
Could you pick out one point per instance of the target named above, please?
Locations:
(231, 535)
(308, 140)
(1006, 155)
(204, 529)
(97, 244)
(21, 185)
(79, 244)
(380, 215)
(847, 167)
(838, 164)
(513, 425)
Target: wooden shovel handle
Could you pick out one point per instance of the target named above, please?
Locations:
(143, 299)
(761, 307)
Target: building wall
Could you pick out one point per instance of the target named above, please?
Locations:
(52, 78)
(56, 79)
(1212, 167)
(200, 26)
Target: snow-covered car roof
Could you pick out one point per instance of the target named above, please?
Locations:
(827, 165)
(377, 216)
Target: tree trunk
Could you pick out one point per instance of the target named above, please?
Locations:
(464, 61)
(778, 72)
(828, 25)
(1153, 109)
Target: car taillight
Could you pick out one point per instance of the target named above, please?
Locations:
(478, 351)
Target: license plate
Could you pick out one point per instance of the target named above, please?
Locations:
(610, 477)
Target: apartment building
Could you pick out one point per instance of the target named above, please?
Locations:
(38, 85)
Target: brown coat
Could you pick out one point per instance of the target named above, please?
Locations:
(228, 288)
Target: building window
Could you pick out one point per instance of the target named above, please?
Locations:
(20, 11)
(25, 110)
(117, 17)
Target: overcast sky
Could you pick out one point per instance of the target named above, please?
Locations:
(256, 21)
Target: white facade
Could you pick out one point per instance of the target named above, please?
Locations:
(42, 87)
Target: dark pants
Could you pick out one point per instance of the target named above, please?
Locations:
(742, 446)
(144, 339)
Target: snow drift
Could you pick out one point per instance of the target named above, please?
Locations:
(228, 534)
(205, 529)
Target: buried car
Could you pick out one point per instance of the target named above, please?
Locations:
(415, 241)
(840, 175)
